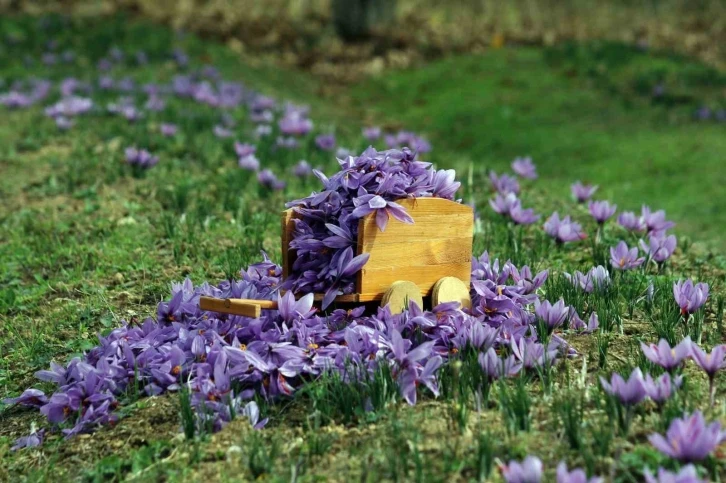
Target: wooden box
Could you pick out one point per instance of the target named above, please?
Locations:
(438, 244)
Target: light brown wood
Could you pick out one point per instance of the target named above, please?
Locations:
(399, 294)
(288, 256)
(246, 307)
(451, 289)
(438, 244)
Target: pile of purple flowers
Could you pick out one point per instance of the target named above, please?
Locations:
(226, 360)
(326, 227)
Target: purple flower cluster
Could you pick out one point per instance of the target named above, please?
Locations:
(226, 360)
(326, 228)
(563, 230)
(596, 280)
(637, 388)
(140, 157)
(530, 471)
(404, 139)
(510, 206)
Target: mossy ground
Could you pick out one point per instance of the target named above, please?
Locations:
(85, 245)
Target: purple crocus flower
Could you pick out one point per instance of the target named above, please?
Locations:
(326, 142)
(710, 364)
(660, 247)
(383, 209)
(64, 123)
(579, 326)
(628, 393)
(601, 210)
(372, 133)
(407, 363)
(552, 315)
(687, 474)
(597, 279)
(168, 130)
(575, 476)
(495, 367)
(624, 258)
(302, 169)
(29, 398)
(524, 167)
(665, 356)
(630, 221)
(655, 221)
(33, 440)
(528, 471)
(503, 204)
(660, 390)
(222, 132)
(268, 179)
(563, 230)
(522, 216)
(251, 163)
(582, 192)
(244, 149)
(140, 157)
(689, 439)
(504, 184)
(690, 297)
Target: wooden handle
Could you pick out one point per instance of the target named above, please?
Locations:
(245, 307)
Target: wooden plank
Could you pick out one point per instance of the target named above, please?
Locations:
(438, 244)
(245, 307)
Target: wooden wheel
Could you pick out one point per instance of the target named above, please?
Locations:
(451, 289)
(399, 294)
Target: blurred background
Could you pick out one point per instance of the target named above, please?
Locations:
(628, 94)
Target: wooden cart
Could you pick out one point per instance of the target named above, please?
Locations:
(429, 258)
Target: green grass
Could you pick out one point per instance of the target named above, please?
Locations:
(488, 109)
(86, 244)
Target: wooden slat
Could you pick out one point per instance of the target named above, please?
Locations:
(379, 278)
(245, 307)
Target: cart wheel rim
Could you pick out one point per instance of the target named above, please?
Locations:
(399, 294)
(451, 289)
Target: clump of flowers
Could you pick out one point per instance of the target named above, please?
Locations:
(326, 231)
(563, 230)
(525, 168)
(597, 279)
(140, 158)
(624, 258)
(601, 210)
(582, 192)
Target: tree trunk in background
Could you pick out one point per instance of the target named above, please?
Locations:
(354, 19)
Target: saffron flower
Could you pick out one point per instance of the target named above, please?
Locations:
(302, 169)
(33, 440)
(659, 247)
(372, 133)
(552, 315)
(29, 398)
(140, 157)
(326, 142)
(687, 474)
(689, 439)
(655, 221)
(244, 149)
(630, 221)
(690, 297)
(582, 192)
(624, 258)
(168, 130)
(524, 167)
(522, 216)
(597, 279)
(383, 209)
(503, 204)
(504, 184)
(601, 210)
(563, 230)
(665, 356)
(222, 132)
(251, 163)
(630, 392)
(579, 326)
(528, 471)
(577, 475)
(494, 367)
(661, 389)
(710, 364)
(268, 179)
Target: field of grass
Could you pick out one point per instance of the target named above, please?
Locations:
(87, 244)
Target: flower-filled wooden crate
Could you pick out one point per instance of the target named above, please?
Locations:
(407, 261)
